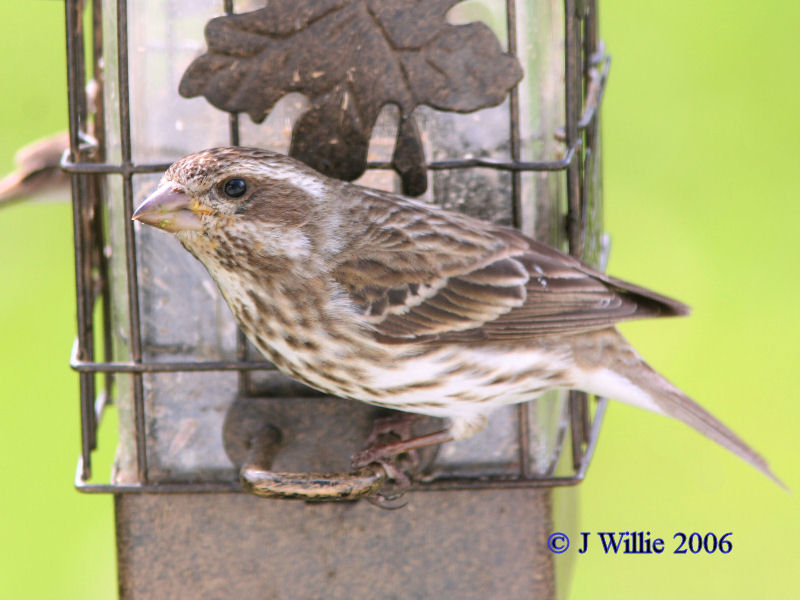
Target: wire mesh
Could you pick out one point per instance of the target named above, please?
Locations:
(586, 72)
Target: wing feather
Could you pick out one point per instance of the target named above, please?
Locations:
(421, 274)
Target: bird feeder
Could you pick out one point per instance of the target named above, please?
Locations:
(483, 106)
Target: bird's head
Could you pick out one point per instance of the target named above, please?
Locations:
(238, 195)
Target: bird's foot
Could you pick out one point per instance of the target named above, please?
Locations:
(379, 447)
(396, 465)
(398, 424)
(393, 445)
(390, 495)
(380, 453)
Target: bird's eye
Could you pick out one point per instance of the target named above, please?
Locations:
(235, 188)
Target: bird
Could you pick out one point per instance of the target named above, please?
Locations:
(38, 172)
(383, 299)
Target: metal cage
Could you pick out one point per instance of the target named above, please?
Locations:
(586, 70)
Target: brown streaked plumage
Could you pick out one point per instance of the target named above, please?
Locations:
(38, 172)
(383, 299)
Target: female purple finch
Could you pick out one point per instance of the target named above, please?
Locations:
(376, 297)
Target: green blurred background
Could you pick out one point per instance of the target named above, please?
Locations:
(701, 162)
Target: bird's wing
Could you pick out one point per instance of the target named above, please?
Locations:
(37, 171)
(44, 153)
(423, 274)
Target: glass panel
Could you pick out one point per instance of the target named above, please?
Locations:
(183, 316)
(164, 37)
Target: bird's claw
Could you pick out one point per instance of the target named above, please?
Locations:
(390, 495)
(385, 456)
(379, 450)
(399, 424)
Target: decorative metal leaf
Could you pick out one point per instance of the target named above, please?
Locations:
(350, 58)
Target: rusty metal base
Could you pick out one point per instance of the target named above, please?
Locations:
(479, 544)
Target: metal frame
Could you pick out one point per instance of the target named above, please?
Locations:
(586, 72)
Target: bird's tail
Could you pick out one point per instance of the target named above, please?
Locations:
(631, 380)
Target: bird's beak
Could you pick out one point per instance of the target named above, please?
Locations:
(169, 209)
